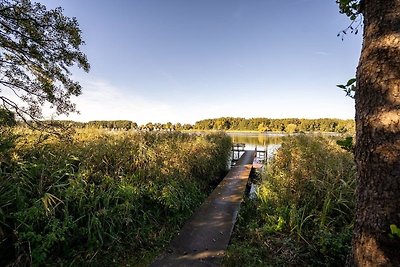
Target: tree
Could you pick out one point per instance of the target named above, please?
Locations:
(168, 126)
(178, 126)
(134, 126)
(291, 128)
(376, 239)
(37, 48)
(149, 126)
(7, 118)
(262, 127)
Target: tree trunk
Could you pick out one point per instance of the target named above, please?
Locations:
(378, 137)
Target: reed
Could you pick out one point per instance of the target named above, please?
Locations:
(101, 195)
(303, 215)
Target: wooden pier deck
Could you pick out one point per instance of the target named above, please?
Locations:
(204, 238)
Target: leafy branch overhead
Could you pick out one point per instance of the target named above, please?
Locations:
(37, 49)
(349, 88)
(352, 9)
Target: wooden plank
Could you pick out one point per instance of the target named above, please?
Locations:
(204, 238)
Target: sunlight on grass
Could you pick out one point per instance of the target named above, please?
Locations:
(101, 195)
(303, 214)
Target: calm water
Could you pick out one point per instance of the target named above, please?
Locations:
(263, 141)
(257, 139)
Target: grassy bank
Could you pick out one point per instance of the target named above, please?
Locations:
(303, 214)
(101, 197)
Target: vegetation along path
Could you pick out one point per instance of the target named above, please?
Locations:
(204, 238)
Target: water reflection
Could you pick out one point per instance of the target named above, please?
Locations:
(266, 144)
(261, 140)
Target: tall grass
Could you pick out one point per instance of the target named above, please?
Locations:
(303, 215)
(100, 195)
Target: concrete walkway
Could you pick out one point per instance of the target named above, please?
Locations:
(204, 238)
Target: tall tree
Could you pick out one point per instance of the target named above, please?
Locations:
(37, 49)
(377, 153)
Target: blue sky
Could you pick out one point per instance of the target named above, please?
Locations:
(186, 60)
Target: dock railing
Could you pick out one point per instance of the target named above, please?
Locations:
(237, 152)
(262, 154)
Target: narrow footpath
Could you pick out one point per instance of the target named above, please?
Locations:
(204, 238)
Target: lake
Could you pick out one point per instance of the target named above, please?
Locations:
(261, 140)
(269, 142)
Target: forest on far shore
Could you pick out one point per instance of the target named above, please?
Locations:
(290, 125)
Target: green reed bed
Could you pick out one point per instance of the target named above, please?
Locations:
(303, 214)
(101, 197)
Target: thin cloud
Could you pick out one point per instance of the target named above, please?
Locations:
(322, 53)
(102, 101)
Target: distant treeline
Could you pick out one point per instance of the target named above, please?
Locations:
(117, 124)
(224, 124)
(120, 125)
(277, 125)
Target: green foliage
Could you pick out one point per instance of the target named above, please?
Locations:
(38, 48)
(350, 8)
(277, 125)
(346, 144)
(7, 118)
(303, 215)
(226, 124)
(394, 231)
(7, 142)
(118, 124)
(291, 128)
(102, 196)
(349, 88)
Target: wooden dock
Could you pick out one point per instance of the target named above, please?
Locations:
(204, 238)
(239, 148)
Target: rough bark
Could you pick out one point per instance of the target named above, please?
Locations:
(378, 137)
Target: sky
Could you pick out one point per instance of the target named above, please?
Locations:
(187, 60)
